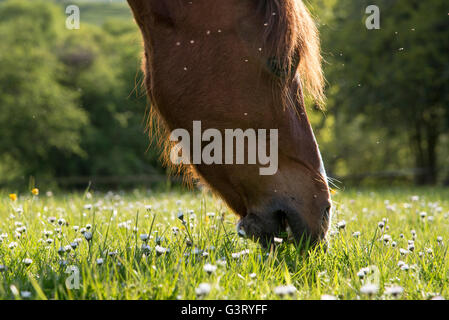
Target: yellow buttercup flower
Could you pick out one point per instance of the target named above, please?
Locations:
(333, 192)
(13, 197)
(35, 191)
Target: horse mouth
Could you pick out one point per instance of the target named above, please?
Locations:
(287, 233)
(283, 229)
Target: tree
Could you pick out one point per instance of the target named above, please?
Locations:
(37, 112)
(395, 78)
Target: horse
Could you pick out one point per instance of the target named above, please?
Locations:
(242, 64)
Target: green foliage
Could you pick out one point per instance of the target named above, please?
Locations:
(38, 112)
(71, 101)
(388, 88)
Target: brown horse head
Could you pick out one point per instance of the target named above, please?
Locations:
(242, 64)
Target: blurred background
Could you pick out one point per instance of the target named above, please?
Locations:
(72, 110)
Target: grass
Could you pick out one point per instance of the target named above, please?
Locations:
(133, 269)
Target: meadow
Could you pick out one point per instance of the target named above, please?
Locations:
(143, 244)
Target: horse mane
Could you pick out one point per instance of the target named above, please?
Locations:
(290, 36)
(293, 38)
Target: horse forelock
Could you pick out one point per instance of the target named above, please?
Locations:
(292, 37)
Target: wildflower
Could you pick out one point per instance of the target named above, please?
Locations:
(423, 214)
(341, 225)
(222, 262)
(88, 226)
(363, 272)
(146, 249)
(21, 230)
(277, 240)
(35, 191)
(411, 247)
(283, 291)
(403, 252)
(210, 214)
(386, 238)
(27, 261)
(356, 234)
(175, 231)
(203, 289)
(394, 244)
(161, 250)
(2, 268)
(394, 291)
(12, 245)
(328, 297)
(181, 216)
(144, 237)
(112, 253)
(13, 197)
(61, 251)
(25, 294)
(369, 289)
(100, 261)
(414, 198)
(252, 275)
(61, 222)
(381, 225)
(88, 236)
(405, 267)
(440, 240)
(51, 219)
(241, 232)
(235, 255)
(76, 228)
(209, 268)
(74, 245)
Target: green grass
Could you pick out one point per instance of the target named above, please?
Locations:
(135, 274)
